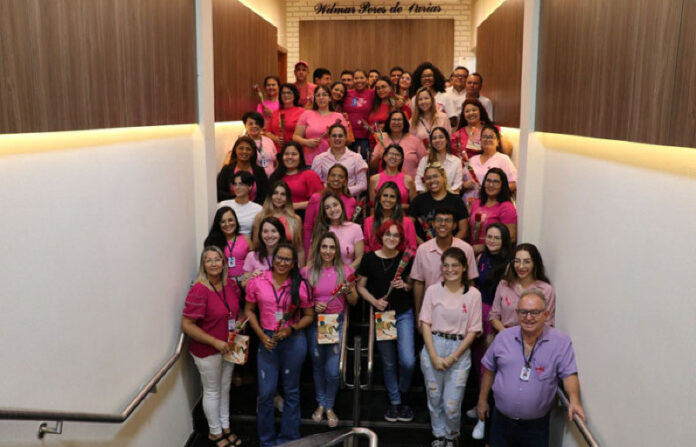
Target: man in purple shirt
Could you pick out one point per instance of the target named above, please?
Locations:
(523, 366)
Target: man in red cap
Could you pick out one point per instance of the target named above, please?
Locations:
(305, 88)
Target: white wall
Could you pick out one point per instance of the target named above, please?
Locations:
(616, 232)
(98, 248)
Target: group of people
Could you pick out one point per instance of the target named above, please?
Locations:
(359, 189)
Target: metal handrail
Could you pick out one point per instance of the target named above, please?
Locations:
(344, 347)
(584, 430)
(333, 437)
(61, 416)
(370, 349)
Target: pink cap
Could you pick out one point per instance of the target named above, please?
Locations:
(302, 63)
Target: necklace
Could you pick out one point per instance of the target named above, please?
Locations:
(389, 265)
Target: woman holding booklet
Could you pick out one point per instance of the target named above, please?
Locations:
(210, 315)
(332, 285)
(382, 283)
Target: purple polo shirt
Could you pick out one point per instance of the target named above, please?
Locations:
(553, 359)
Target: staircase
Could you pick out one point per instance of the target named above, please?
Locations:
(364, 407)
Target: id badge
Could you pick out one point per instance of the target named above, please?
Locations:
(278, 316)
(264, 162)
(231, 262)
(231, 323)
(525, 373)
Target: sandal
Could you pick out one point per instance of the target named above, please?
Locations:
(318, 414)
(234, 440)
(216, 442)
(332, 418)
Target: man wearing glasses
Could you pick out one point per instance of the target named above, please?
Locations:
(523, 366)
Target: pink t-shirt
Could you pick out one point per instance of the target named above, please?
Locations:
(252, 263)
(292, 115)
(358, 106)
(504, 213)
(260, 290)
(306, 93)
(207, 309)
(452, 313)
(498, 160)
(349, 233)
(372, 244)
(508, 295)
(312, 212)
(237, 249)
(303, 184)
(426, 266)
(400, 183)
(266, 154)
(423, 127)
(273, 105)
(328, 280)
(317, 126)
(413, 148)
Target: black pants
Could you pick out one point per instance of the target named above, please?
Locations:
(506, 432)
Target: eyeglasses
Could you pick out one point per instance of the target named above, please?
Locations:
(392, 235)
(426, 76)
(283, 260)
(493, 181)
(533, 312)
(488, 137)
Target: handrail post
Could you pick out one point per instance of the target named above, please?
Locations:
(356, 380)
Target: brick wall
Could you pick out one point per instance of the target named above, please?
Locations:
(459, 10)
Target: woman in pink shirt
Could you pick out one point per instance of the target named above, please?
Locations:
(494, 205)
(270, 233)
(426, 117)
(332, 217)
(286, 116)
(211, 309)
(336, 182)
(388, 207)
(492, 157)
(396, 131)
(467, 138)
(384, 103)
(357, 105)
(393, 161)
(278, 204)
(404, 88)
(265, 148)
(325, 273)
(270, 104)
(338, 94)
(292, 170)
(312, 127)
(526, 271)
(224, 234)
(451, 321)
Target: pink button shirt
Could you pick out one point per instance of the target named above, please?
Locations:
(328, 280)
(498, 160)
(426, 266)
(252, 263)
(238, 249)
(372, 244)
(504, 213)
(317, 126)
(353, 162)
(452, 313)
(260, 290)
(506, 298)
(349, 233)
(413, 148)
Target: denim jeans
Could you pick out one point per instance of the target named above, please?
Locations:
(288, 356)
(407, 358)
(216, 377)
(506, 432)
(445, 389)
(361, 146)
(325, 365)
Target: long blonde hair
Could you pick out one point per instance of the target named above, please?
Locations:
(316, 265)
(202, 277)
(417, 114)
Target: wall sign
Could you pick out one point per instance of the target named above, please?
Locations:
(368, 8)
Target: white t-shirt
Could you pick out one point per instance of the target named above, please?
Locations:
(245, 214)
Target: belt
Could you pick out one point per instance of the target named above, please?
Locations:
(449, 336)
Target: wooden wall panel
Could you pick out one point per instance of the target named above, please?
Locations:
(381, 44)
(245, 51)
(606, 69)
(85, 64)
(499, 60)
(682, 130)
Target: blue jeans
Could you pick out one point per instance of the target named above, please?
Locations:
(445, 389)
(324, 365)
(407, 358)
(361, 146)
(506, 432)
(287, 356)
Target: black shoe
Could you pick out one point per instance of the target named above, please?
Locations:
(405, 414)
(392, 414)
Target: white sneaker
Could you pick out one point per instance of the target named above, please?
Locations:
(472, 413)
(478, 430)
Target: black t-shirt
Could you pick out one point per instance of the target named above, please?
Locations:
(424, 206)
(379, 273)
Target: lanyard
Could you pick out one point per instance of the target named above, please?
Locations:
(528, 361)
(234, 242)
(278, 299)
(224, 294)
